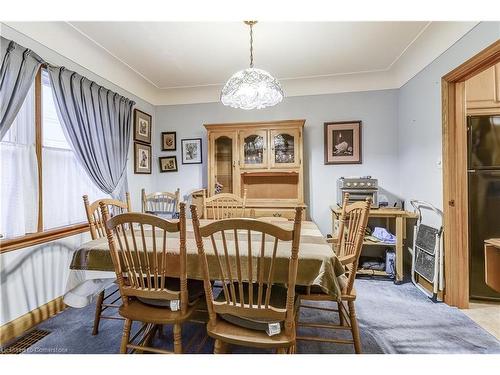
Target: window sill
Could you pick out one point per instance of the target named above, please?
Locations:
(33, 239)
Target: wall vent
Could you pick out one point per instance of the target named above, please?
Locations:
(23, 343)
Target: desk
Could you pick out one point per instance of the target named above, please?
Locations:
(92, 267)
(492, 263)
(397, 215)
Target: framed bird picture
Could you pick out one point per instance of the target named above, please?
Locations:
(343, 142)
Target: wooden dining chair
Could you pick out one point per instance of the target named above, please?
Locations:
(348, 244)
(161, 203)
(150, 294)
(250, 301)
(224, 205)
(97, 230)
(271, 219)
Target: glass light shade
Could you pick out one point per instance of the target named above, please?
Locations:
(251, 89)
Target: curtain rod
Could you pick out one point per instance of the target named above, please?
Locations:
(46, 64)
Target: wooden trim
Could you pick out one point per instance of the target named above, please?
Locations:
(38, 145)
(33, 239)
(27, 321)
(476, 64)
(483, 111)
(455, 196)
(259, 124)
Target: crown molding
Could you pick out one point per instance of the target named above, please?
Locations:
(60, 44)
(431, 43)
(66, 40)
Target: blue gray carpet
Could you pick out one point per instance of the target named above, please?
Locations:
(392, 318)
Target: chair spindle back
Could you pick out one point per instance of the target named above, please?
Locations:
(224, 206)
(353, 221)
(94, 214)
(141, 262)
(247, 274)
(160, 202)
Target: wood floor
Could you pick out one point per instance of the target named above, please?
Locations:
(485, 314)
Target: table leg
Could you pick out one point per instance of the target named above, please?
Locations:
(399, 249)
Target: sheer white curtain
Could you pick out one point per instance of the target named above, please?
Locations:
(64, 184)
(64, 180)
(19, 174)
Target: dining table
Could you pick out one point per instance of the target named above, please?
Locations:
(92, 270)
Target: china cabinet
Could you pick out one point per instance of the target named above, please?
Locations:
(263, 157)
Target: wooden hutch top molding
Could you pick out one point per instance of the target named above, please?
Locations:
(258, 124)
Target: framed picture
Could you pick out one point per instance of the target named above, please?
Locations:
(191, 151)
(142, 126)
(168, 164)
(142, 158)
(168, 141)
(343, 142)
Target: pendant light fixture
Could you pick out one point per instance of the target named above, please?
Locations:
(251, 88)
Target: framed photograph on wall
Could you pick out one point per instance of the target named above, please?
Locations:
(343, 142)
(142, 158)
(191, 151)
(142, 126)
(168, 141)
(168, 164)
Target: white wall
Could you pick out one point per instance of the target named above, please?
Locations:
(419, 117)
(33, 276)
(376, 109)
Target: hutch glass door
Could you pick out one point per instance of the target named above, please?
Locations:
(224, 165)
(284, 148)
(254, 149)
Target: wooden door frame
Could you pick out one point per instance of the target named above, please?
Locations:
(455, 202)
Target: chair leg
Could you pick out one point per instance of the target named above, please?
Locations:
(151, 337)
(177, 339)
(125, 336)
(98, 310)
(341, 315)
(160, 331)
(220, 347)
(355, 328)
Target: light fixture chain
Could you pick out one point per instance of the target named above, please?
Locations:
(251, 45)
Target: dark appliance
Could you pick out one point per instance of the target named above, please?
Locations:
(359, 188)
(484, 197)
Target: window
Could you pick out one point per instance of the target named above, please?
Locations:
(63, 181)
(18, 174)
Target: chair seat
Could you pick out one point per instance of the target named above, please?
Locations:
(234, 334)
(195, 292)
(136, 310)
(278, 300)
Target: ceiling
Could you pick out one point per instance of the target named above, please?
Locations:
(187, 54)
(188, 62)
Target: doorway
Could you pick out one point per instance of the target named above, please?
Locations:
(455, 179)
